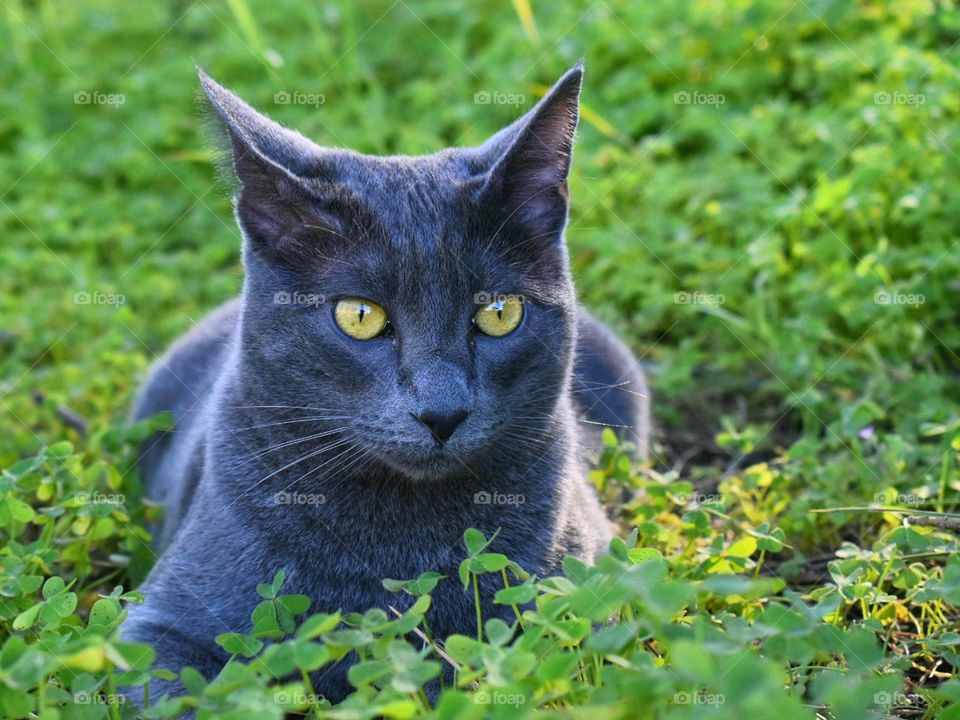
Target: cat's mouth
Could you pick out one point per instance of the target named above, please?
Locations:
(417, 457)
(426, 465)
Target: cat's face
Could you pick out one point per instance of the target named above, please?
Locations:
(422, 305)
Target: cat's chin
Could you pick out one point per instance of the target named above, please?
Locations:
(434, 466)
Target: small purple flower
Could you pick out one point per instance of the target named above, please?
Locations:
(867, 432)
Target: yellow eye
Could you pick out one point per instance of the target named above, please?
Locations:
(360, 319)
(501, 317)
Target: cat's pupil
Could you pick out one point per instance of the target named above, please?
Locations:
(363, 311)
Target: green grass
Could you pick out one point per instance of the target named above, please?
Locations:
(753, 185)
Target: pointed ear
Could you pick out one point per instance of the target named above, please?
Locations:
(528, 180)
(274, 167)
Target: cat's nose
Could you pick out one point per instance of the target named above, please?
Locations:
(441, 423)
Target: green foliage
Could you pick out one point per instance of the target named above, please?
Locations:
(683, 616)
(765, 203)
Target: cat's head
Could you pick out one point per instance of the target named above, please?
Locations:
(423, 304)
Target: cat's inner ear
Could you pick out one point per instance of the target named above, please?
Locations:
(279, 202)
(531, 161)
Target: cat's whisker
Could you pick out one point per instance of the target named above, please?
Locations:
(521, 433)
(527, 431)
(290, 464)
(529, 439)
(364, 459)
(356, 464)
(296, 441)
(280, 407)
(531, 432)
(581, 387)
(540, 395)
(368, 460)
(598, 386)
(311, 418)
(604, 424)
(536, 451)
(582, 420)
(350, 451)
(578, 419)
(541, 420)
(612, 386)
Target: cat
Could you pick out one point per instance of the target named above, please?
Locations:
(407, 360)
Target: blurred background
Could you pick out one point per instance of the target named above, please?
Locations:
(765, 205)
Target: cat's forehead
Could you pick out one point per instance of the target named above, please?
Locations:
(414, 201)
(425, 235)
(422, 183)
(422, 236)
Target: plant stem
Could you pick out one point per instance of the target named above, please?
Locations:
(941, 497)
(112, 698)
(506, 585)
(476, 601)
(308, 684)
(763, 554)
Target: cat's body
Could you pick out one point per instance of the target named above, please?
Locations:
(298, 447)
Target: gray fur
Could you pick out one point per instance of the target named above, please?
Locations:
(420, 236)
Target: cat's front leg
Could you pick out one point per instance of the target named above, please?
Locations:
(174, 651)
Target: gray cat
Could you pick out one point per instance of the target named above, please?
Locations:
(407, 360)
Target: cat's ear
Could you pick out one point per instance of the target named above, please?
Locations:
(531, 160)
(273, 166)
